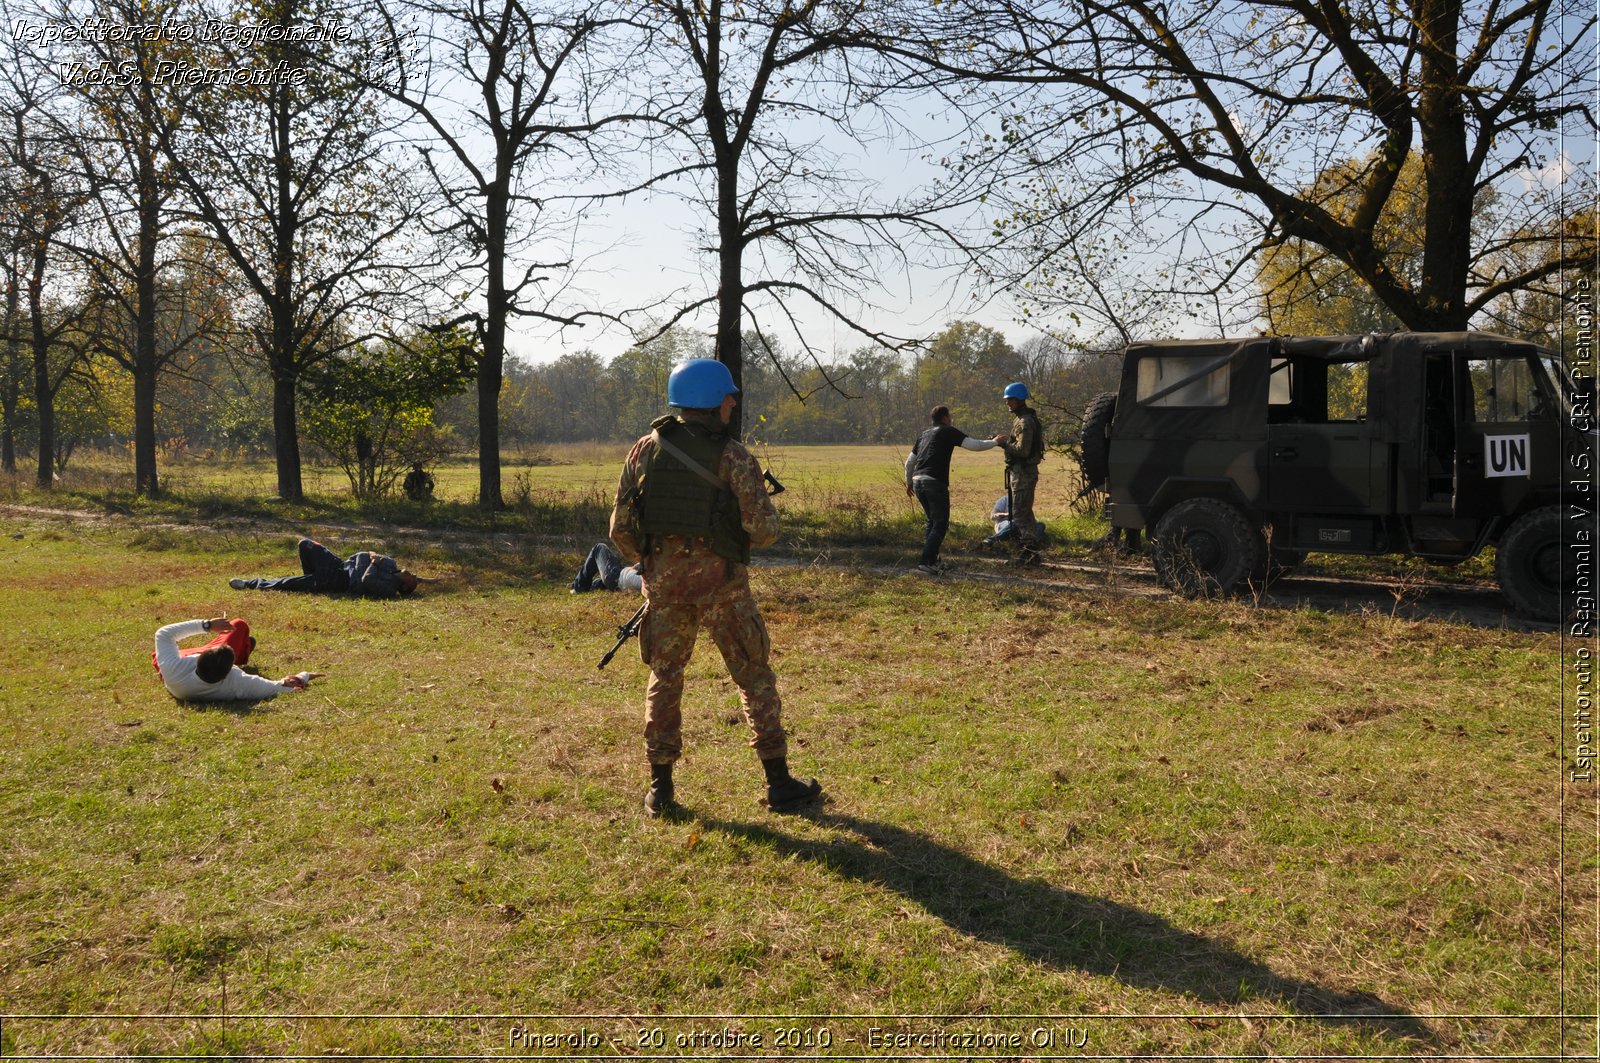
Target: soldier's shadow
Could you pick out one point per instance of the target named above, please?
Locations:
(1065, 929)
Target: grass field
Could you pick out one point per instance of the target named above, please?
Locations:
(845, 494)
(1073, 824)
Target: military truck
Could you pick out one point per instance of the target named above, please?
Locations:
(1240, 457)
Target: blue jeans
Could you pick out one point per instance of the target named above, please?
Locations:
(935, 498)
(323, 571)
(603, 564)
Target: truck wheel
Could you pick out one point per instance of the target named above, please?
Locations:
(1204, 547)
(1528, 564)
(1094, 457)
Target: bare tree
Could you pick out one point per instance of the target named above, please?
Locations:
(1172, 142)
(765, 95)
(292, 170)
(192, 319)
(40, 198)
(12, 365)
(118, 103)
(504, 92)
(14, 233)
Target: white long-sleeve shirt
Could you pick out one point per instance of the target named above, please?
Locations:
(177, 672)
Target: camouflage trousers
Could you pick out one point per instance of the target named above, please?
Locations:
(666, 641)
(1021, 481)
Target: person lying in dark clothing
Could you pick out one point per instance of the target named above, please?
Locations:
(367, 573)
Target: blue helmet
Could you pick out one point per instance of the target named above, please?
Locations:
(1019, 390)
(699, 384)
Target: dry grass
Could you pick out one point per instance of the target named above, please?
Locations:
(1041, 803)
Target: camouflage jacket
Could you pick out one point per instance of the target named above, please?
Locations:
(683, 569)
(1026, 445)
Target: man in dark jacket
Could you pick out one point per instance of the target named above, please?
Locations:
(928, 479)
(418, 485)
(367, 574)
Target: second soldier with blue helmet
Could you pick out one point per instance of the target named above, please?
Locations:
(1024, 450)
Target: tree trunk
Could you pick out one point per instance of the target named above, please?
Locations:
(1447, 172)
(730, 289)
(285, 357)
(366, 466)
(146, 359)
(44, 394)
(286, 431)
(285, 435)
(489, 380)
(491, 370)
(144, 432)
(8, 437)
(11, 387)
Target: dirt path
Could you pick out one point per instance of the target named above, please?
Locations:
(1408, 598)
(1476, 605)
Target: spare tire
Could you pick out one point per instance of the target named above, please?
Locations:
(1094, 457)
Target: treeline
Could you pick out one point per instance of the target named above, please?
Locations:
(215, 401)
(323, 246)
(871, 395)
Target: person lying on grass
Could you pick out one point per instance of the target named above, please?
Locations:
(214, 672)
(605, 570)
(366, 573)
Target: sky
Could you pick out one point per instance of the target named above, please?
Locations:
(647, 250)
(653, 249)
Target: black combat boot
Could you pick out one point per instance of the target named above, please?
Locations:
(658, 800)
(785, 793)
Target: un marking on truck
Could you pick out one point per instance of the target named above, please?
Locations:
(1505, 456)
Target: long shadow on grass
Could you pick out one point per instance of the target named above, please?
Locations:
(1068, 930)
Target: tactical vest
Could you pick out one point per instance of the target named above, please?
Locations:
(676, 500)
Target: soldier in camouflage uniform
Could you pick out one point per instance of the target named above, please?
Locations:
(690, 505)
(1024, 449)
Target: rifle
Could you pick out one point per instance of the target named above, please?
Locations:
(624, 633)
